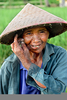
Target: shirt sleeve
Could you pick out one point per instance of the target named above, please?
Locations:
(1, 83)
(4, 78)
(55, 83)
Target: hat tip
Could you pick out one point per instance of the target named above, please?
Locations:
(28, 4)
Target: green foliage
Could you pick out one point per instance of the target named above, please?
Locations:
(19, 3)
(54, 1)
(10, 2)
(3, 0)
(66, 90)
(6, 15)
(60, 40)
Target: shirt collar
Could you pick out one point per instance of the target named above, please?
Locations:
(46, 56)
(47, 52)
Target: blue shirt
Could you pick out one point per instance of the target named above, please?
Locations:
(24, 87)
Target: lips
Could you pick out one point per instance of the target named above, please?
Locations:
(35, 46)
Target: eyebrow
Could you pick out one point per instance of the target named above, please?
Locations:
(42, 29)
(28, 30)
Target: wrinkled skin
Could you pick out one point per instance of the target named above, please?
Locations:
(30, 51)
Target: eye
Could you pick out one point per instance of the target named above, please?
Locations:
(28, 33)
(42, 31)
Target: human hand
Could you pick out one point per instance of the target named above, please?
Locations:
(21, 52)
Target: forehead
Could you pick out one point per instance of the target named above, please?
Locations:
(34, 28)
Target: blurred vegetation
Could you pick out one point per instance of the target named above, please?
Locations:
(5, 18)
(6, 15)
(23, 2)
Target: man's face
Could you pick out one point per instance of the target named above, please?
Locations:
(35, 38)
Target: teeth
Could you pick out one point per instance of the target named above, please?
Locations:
(35, 46)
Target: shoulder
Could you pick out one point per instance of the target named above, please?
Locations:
(11, 58)
(57, 49)
(59, 55)
(9, 62)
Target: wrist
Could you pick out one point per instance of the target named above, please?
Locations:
(29, 64)
(26, 64)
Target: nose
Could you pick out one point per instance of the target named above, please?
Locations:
(36, 39)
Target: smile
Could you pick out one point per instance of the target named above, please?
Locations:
(35, 46)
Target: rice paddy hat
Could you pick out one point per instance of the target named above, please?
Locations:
(31, 16)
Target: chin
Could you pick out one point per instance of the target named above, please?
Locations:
(36, 51)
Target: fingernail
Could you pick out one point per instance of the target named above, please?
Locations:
(22, 42)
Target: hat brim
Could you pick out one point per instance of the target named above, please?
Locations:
(53, 28)
(31, 16)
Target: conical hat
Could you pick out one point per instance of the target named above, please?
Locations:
(29, 16)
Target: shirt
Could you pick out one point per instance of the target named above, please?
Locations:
(53, 74)
(24, 88)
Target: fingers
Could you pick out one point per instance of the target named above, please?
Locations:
(18, 44)
(21, 41)
(12, 46)
(15, 43)
(24, 46)
(22, 51)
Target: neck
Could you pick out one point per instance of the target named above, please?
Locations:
(35, 57)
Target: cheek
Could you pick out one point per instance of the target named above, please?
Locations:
(44, 38)
(27, 40)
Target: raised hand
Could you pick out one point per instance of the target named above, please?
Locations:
(21, 52)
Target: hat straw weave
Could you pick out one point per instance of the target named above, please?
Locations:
(29, 16)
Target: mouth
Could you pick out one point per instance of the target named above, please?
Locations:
(35, 46)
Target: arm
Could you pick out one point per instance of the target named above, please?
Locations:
(51, 83)
(56, 82)
(23, 54)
